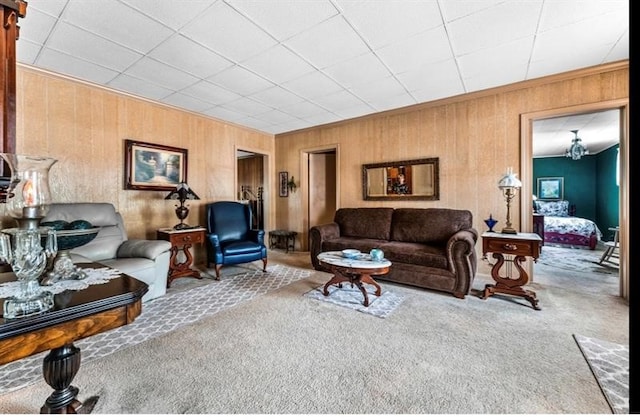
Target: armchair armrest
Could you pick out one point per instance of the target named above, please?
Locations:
(143, 248)
(257, 235)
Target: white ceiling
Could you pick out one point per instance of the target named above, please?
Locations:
(283, 65)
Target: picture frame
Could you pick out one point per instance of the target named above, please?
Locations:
(153, 167)
(283, 178)
(550, 188)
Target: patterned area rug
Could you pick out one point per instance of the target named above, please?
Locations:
(575, 259)
(609, 363)
(351, 297)
(161, 316)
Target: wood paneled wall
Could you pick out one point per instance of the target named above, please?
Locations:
(476, 136)
(84, 127)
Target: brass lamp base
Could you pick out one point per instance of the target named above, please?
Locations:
(509, 230)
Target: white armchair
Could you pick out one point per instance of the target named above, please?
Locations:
(145, 259)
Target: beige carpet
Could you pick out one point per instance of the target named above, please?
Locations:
(284, 353)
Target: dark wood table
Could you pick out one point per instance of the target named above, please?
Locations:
(76, 314)
(181, 242)
(518, 247)
(356, 271)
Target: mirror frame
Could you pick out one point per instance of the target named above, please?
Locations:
(424, 161)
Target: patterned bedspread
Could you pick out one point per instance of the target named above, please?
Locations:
(571, 231)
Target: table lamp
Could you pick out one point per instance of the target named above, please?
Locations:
(182, 193)
(509, 184)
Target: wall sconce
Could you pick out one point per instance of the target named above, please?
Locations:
(182, 193)
(291, 185)
(509, 184)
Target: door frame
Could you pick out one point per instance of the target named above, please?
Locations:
(304, 182)
(526, 168)
(268, 181)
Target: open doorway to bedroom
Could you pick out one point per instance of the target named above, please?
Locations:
(591, 189)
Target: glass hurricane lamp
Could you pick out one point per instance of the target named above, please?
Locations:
(509, 184)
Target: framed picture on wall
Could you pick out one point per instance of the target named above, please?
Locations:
(149, 166)
(283, 184)
(551, 188)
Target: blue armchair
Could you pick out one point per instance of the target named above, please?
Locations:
(230, 239)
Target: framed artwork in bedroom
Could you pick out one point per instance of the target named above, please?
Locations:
(551, 188)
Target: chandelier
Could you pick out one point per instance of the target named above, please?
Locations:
(577, 150)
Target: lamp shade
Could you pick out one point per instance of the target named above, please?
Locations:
(510, 180)
(182, 192)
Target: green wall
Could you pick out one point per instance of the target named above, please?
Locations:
(589, 184)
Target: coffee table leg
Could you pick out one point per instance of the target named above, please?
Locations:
(60, 367)
(337, 279)
(365, 278)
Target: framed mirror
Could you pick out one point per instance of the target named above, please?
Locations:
(416, 179)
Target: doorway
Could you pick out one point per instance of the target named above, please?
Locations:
(250, 184)
(320, 175)
(527, 123)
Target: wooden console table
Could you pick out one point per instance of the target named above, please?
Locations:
(76, 314)
(518, 247)
(181, 242)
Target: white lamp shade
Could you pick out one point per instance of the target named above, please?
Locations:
(510, 180)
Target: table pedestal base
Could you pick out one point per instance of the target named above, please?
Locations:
(340, 276)
(507, 285)
(59, 368)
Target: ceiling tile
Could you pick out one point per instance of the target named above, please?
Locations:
(278, 64)
(199, 61)
(456, 9)
(36, 28)
(247, 106)
(277, 95)
(225, 31)
(183, 101)
(312, 85)
(557, 14)
(284, 18)
(440, 80)
(161, 74)
(125, 25)
(27, 52)
(509, 21)
(275, 116)
(491, 67)
(240, 80)
(328, 43)
(420, 50)
(168, 12)
(86, 46)
(139, 87)
(375, 90)
(210, 92)
(303, 109)
(384, 22)
(358, 70)
(51, 59)
(340, 100)
(51, 7)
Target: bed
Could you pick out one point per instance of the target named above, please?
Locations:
(564, 229)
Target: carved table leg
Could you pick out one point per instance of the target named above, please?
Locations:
(354, 278)
(60, 367)
(508, 285)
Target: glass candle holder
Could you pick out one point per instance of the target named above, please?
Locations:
(28, 195)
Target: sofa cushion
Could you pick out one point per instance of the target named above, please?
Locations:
(428, 225)
(365, 222)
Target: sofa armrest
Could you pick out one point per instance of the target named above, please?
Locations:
(317, 235)
(143, 248)
(462, 259)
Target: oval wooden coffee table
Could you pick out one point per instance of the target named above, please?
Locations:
(354, 270)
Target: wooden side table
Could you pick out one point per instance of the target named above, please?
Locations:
(181, 242)
(284, 239)
(519, 247)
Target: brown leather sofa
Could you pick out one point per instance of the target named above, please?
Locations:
(430, 248)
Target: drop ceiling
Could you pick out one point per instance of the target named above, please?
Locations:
(283, 65)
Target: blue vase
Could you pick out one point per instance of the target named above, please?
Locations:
(376, 254)
(490, 222)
